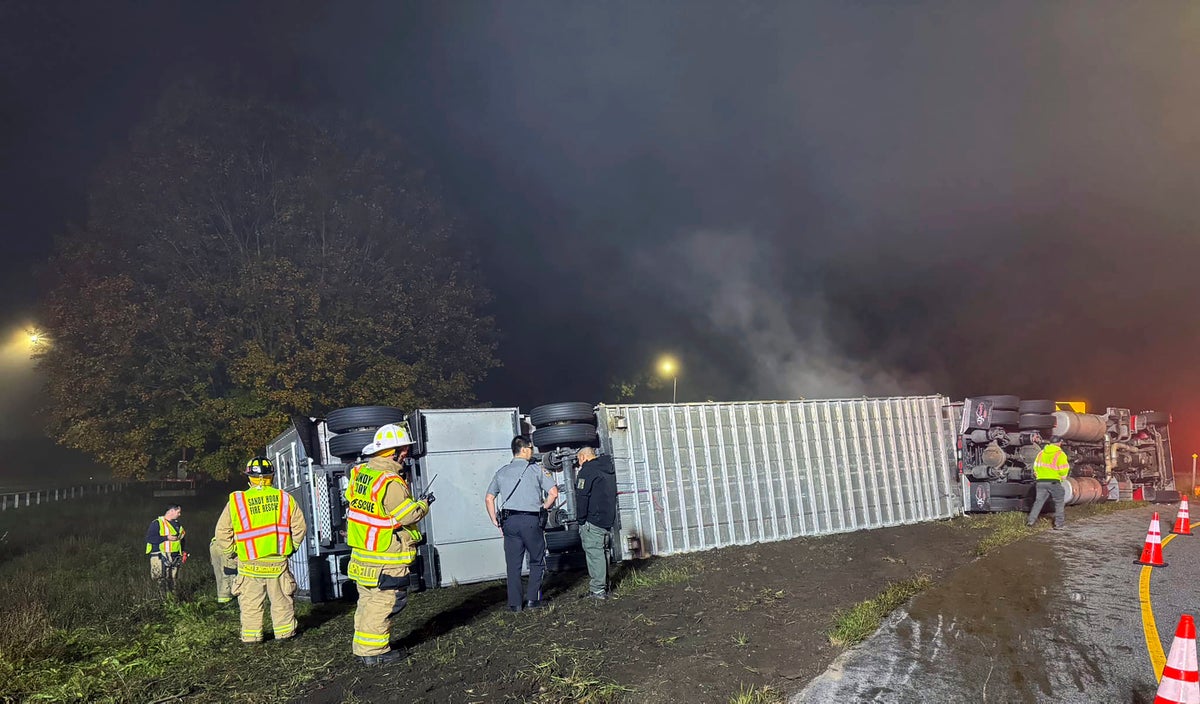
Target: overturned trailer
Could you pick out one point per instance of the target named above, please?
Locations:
(1113, 455)
(690, 477)
(696, 476)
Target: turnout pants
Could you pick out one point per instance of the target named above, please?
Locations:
(1049, 490)
(593, 539)
(224, 581)
(523, 534)
(253, 593)
(375, 610)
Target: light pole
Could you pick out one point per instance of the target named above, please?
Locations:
(669, 367)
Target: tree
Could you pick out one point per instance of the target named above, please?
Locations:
(240, 264)
(637, 388)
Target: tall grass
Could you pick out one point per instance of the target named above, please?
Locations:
(80, 618)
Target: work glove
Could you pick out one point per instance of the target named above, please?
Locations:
(428, 498)
(229, 571)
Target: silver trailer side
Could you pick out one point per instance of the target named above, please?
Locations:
(693, 477)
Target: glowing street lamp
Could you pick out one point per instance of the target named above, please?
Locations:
(669, 367)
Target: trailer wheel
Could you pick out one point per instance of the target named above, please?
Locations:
(562, 541)
(1005, 418)
(347, 446)
(1155, 417)
(569, 412)
(1002, 403)
(565, 561)
(361, 417)
(571, 434)
(1037, 421)
(1039, 406)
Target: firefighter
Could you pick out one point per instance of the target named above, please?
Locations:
(224, 581)
(1050, 468)
(165, 541)
(381, 530)
(260, 527)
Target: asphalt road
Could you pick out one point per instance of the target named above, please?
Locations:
(1054, 618)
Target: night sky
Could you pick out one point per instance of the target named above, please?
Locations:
(796, 199)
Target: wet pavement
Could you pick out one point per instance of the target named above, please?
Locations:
(1053, 618)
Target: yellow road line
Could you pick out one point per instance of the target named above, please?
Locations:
(1149, 629)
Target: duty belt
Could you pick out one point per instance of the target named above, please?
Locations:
(512, 512)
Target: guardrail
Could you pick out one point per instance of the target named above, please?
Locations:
(32, 498)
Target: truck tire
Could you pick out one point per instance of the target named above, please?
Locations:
(347, 446)
(570, 434)
(1039, 406)
(1155, 417)
(361, 417)
(1005, 418)
(569, 412)
(566, 561)
(562, 541)
(1002, 403)
(1036, 421)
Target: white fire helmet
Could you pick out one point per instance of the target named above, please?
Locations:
(387, 437)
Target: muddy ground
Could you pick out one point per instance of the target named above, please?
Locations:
(689, 628)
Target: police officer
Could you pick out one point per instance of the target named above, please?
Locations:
(521, 484)
(1050, 468)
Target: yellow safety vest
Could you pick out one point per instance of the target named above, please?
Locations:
(368, 527)
(1051, 464)
(173, 544)
(262, 528)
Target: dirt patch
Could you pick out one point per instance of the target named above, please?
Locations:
(697, 627)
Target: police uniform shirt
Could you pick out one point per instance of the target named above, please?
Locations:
(528, 495)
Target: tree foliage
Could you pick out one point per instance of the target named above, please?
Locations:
(241, 263)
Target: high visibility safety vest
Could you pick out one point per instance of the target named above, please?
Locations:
(369, 529)
(173, 545)
(1051, 464)
(262, 528)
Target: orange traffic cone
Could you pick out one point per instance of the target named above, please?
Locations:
(1180, 683)
(1152, 551)
(1183, 522)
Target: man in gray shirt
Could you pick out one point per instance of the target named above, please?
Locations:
(521, 484)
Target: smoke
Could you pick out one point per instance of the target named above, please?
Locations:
(778, 339)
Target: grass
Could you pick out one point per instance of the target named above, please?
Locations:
(1009, 527)
(856, 623)
(567, 676)
(654, 575)
(756, 695)
(80, 619)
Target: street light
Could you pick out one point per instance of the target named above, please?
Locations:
(669, 367)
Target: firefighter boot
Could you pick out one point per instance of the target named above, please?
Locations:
(392, 656)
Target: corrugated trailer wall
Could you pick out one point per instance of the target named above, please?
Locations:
(698, 476)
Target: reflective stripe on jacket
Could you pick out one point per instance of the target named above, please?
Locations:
(262, 518)
(173, 543)
(1051, 464)
(380, 539)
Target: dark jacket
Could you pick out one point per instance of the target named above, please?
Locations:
(155, 538)
(596, 492)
